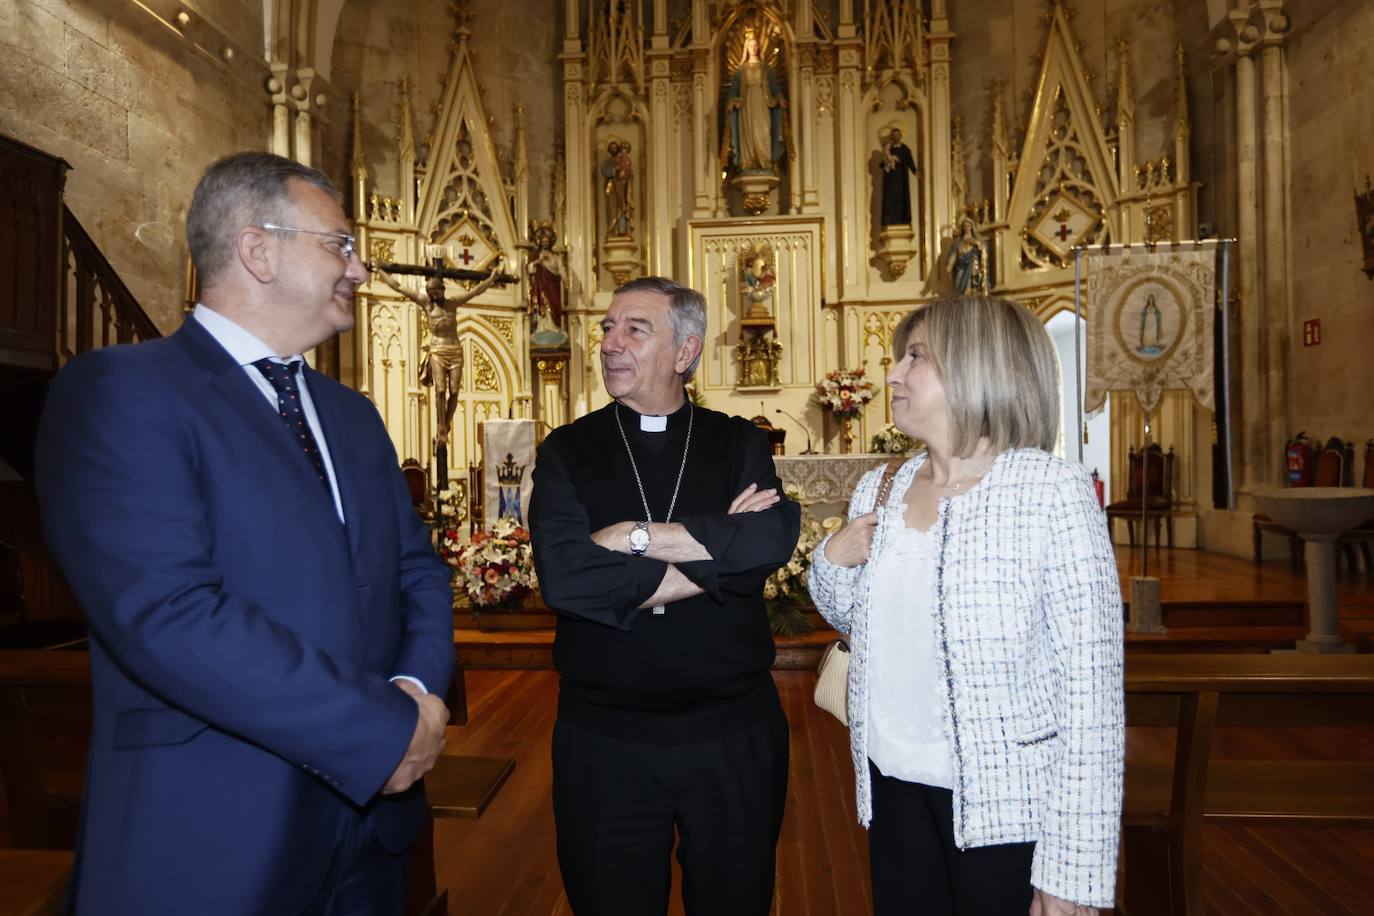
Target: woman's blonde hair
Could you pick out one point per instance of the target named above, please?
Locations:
(998, 368)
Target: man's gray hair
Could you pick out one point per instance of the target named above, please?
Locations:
(686, 310)
(245, 189)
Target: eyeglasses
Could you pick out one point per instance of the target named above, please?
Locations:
(347, 244)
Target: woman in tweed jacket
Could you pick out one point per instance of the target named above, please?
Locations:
(983, 611)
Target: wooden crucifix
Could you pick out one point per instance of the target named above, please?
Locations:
(442, 363)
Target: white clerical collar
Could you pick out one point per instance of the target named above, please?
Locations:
(652, 423)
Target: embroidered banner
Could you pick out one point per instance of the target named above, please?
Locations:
(507, 463)
(1150, 320)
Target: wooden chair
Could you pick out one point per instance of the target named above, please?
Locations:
(1159, 466)
(45, 723)
(11, 587)
(1331, 468)
(1363, 535)
(17, 629)
(1166, 806)
(417, 482)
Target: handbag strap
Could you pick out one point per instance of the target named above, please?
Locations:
(885, 485)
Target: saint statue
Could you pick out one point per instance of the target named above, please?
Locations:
(442, 363)
(545, 269)
(897, 162)
(967, 263)
(759, 284)
(755, 110)
(617, 174)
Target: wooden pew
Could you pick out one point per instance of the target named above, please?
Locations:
(33, 882)
(45, 723)
(1166, 805)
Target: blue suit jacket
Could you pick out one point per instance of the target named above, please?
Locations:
(242, 639)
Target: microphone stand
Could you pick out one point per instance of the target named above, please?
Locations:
(804, 429)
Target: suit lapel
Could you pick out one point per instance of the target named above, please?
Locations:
(339, 436)
(230, 379)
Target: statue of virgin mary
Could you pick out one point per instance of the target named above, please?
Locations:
(755, 110)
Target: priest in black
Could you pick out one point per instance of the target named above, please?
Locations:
(655, 524)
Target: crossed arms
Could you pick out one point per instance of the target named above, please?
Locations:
(591, 573)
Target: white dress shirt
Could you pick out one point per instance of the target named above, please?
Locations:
(246, 349)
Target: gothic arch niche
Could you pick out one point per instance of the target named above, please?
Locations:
(617, 117)
(728, 48)
(894, 101)
(493, 387)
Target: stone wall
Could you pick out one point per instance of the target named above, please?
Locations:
(1331, 129)
(516, 44)
(138, 114)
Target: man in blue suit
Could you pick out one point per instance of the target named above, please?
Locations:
(271, 630)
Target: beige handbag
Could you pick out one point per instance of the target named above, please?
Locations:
(832, 681)
(832, 674)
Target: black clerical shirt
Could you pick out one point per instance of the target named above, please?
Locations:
(701, 669)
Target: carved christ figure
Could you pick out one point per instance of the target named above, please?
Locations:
(442, 363)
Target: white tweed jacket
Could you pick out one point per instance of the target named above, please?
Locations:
(1028, 623)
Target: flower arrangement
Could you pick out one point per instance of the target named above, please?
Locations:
(843, 392)
(785, 591)
(495, 568)
(891, 441)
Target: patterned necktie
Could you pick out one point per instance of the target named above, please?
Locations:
(283, 379)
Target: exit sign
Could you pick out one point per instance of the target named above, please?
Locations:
(1312, 332)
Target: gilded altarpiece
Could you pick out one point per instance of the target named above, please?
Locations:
(755, 124)
(464, 210)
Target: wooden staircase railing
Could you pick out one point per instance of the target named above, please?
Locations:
(95, 308)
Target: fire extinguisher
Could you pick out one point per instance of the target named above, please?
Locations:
(1100, 489)
(1298, 454)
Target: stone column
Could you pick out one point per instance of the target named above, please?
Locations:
(1276, 221)
(281, 115)
(304, 151)
(1252, 413)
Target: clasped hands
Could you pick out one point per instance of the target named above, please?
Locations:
(426, 742)
(751, 499)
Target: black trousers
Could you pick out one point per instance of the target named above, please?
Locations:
(917, 869)
(617, 805)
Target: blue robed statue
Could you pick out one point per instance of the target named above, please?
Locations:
(755, 111)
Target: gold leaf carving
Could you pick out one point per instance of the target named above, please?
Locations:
(483, 372)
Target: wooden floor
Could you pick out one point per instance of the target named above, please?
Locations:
(1198, 576)
(504, 864)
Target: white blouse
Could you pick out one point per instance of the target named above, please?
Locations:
(906, 692)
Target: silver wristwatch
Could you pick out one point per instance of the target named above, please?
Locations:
(639, 538)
